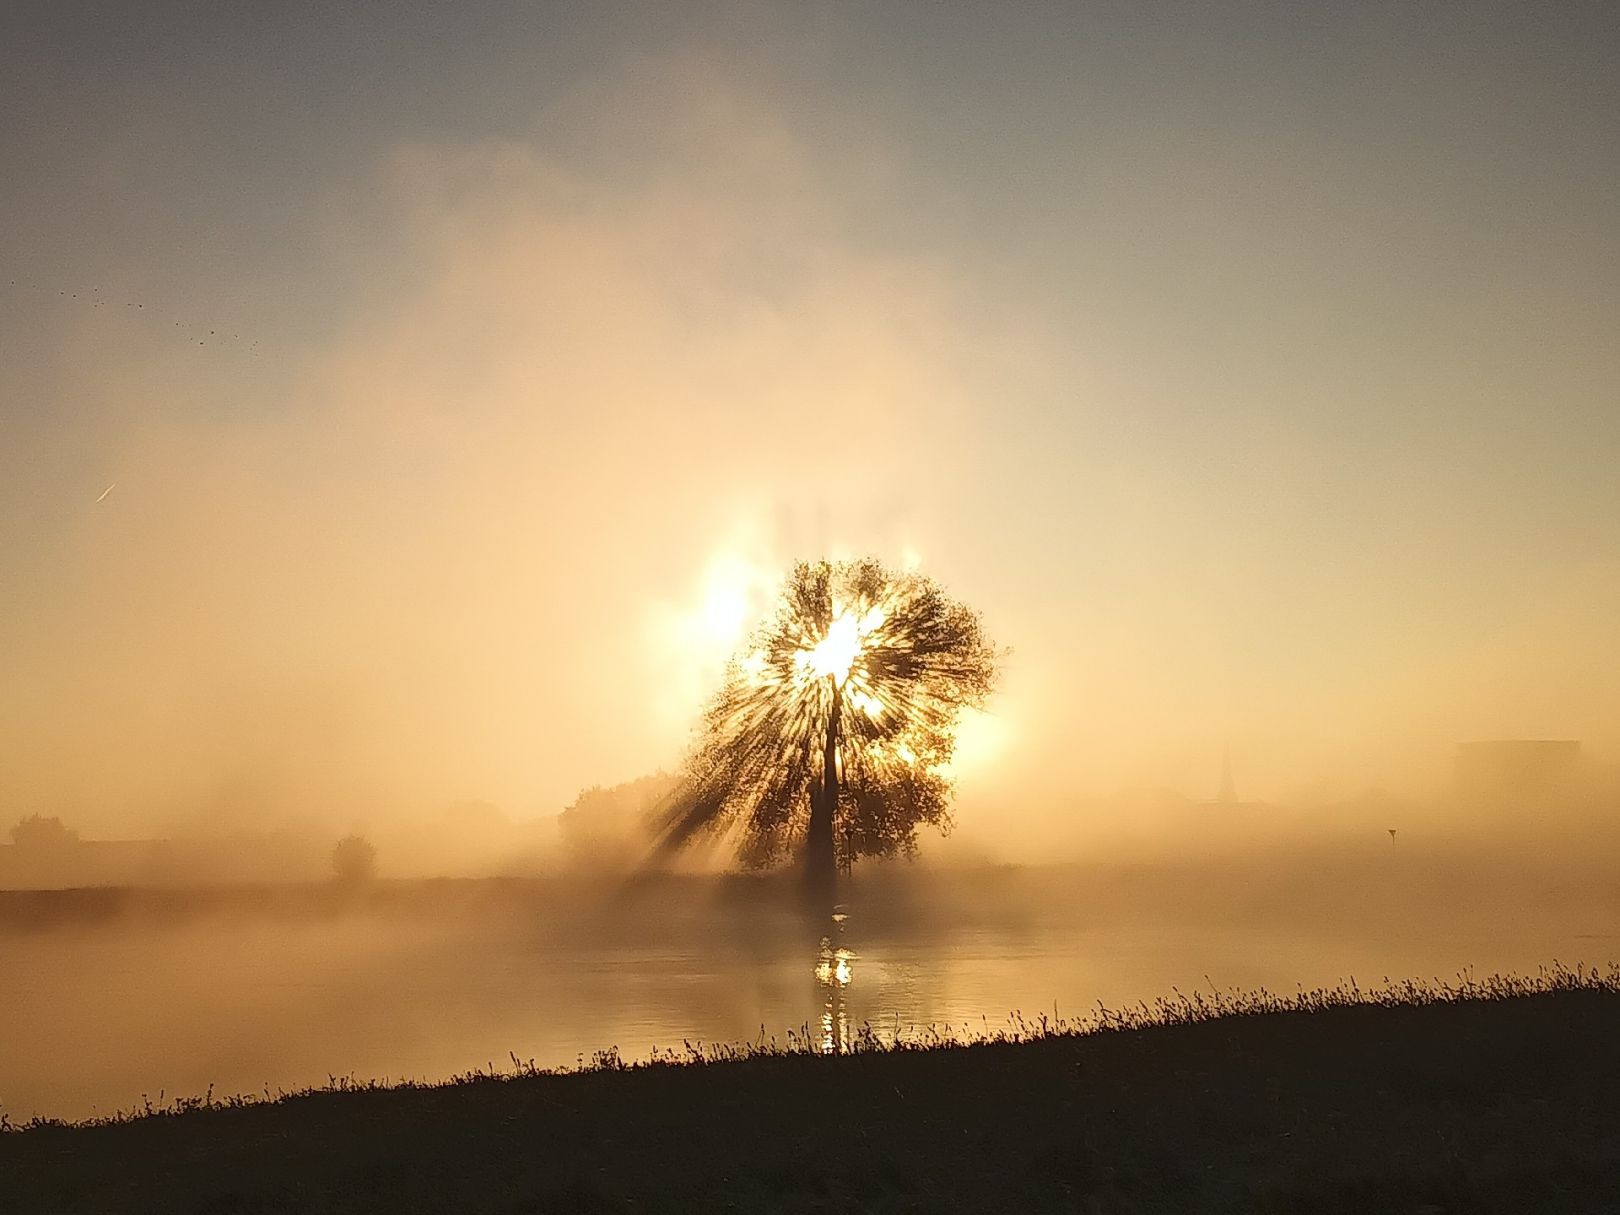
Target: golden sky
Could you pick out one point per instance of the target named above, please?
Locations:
(464, 379)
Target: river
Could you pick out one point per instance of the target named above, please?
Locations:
(98, 1015)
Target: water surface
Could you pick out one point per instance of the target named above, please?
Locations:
(95, 1014)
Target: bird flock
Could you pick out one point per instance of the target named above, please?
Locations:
(190, 329)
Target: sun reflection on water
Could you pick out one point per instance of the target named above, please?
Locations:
(835, 970)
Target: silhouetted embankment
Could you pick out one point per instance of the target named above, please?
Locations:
(1494, 1096)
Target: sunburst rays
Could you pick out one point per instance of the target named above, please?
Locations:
(855, 685)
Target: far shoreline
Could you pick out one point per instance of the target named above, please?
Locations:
(1321, 881)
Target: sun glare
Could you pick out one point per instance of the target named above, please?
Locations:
(836, 653)
(727, 600)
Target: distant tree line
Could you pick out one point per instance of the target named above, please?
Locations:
(40, 834)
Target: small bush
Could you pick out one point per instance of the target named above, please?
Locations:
(354, 860)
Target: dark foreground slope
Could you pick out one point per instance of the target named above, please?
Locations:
(1509, 1104)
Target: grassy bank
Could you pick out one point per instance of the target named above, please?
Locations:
(1491, 1096)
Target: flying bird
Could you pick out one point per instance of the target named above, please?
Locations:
(106, 491)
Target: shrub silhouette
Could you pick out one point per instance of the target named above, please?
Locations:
(354, 859)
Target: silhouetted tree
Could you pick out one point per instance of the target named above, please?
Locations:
(611, 827)
(835, 730)
(354, 859)
(43, 834)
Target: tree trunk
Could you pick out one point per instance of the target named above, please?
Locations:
(820, 861)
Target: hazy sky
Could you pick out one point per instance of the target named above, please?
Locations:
(464, 373)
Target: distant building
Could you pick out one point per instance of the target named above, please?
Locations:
(1227, 798)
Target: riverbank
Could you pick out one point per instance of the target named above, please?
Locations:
(1355, 888)
(1489, 1097)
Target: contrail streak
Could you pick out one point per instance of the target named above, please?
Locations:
(106, 491)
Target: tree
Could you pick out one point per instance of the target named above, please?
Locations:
(354, 859)
(835, 731)
(43, 834)
(610, 827)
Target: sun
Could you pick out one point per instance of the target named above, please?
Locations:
(836, 655)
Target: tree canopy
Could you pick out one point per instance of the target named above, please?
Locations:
(834, 730)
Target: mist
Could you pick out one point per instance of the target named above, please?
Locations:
(489, 528)
(401, 430)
